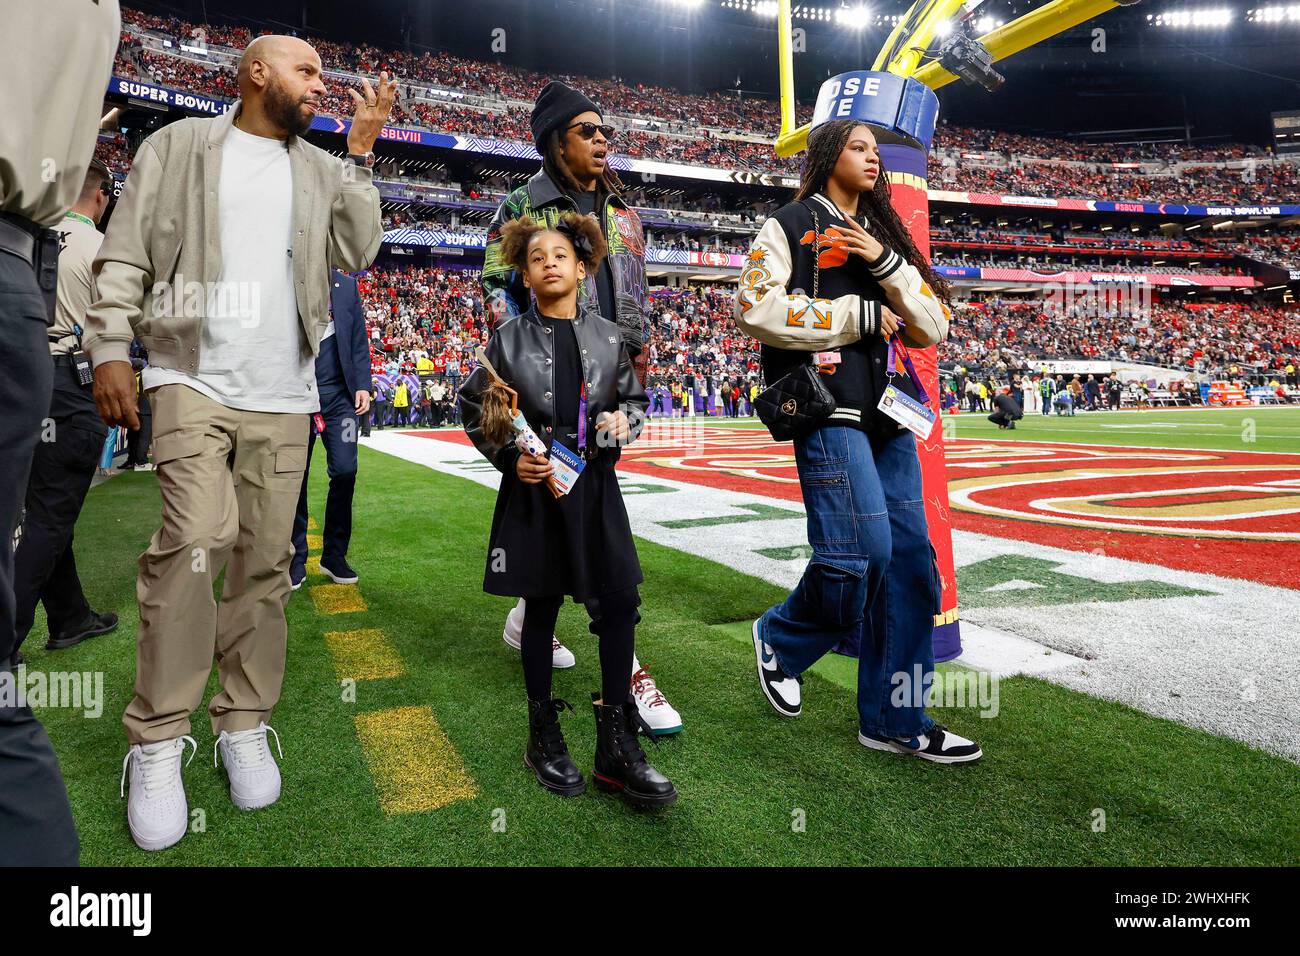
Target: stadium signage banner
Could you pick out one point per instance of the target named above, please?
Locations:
(1105, 205)
(1102, 278)
(1079, 367)
(211, 105)
(450, 239)
(396, 134)
(193, 102)
(436, 237)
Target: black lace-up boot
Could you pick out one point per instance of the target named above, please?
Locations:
(621, 766)
(546, 754)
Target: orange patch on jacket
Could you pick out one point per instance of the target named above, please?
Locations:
(830, 251)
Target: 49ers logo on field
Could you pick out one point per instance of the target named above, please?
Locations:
(1228, 513)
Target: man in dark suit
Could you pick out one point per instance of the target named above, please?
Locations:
(343, 381)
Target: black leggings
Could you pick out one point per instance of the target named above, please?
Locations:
(613, 619)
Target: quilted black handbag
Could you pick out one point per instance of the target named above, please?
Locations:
(797, 402)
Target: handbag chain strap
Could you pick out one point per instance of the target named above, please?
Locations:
(817, 266)
(817, 274)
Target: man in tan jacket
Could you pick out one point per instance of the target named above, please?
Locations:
(218, 260)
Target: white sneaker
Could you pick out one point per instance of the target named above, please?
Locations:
(654, 708)
(561, 656)
(939, 745)
(783, 692)
(254, 776)
(156, 811)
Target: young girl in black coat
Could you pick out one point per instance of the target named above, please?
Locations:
(555, 533)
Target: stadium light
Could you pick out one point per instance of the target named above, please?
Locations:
(1274, 15)
(856, 17)
(1212, 17)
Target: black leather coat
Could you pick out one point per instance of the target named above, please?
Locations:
(521, 350)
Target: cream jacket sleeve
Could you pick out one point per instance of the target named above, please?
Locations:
(767, 310)
(356, 226)
(124, 271)
(912, 299)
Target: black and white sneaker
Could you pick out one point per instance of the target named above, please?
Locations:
(782, 691)
(939, 745)
(340, 572)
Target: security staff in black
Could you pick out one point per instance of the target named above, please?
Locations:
(56, 58)
(71, 441)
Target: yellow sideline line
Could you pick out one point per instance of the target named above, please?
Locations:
(364, 654)
(415, 766)
(337, 598)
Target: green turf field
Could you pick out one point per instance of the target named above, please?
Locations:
(1055, 759)
(1224, 429)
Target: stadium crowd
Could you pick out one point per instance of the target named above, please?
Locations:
(684, 128)
(1279, 247)
(430, 320)
(1083, 261)
(949, 136)
(1266, 181)
(1209, 339)
(1075, 237)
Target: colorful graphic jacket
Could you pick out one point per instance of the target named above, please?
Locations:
(504, 292)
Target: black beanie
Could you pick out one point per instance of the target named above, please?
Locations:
(556, 105)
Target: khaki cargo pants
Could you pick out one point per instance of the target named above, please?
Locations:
(230, 482)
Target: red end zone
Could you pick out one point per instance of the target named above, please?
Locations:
(1230, 513)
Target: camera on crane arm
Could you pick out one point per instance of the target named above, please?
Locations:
(961, 54)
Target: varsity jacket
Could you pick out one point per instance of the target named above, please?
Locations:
(799, 294)
(540, 199)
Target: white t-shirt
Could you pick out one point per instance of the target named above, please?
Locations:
(253, 353)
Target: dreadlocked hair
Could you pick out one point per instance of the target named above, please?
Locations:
(495, 418)
(582, 231)
(553, 162)
(824, 147)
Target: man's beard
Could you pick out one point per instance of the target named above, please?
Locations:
(284, 110)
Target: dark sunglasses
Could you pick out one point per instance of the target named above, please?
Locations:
(588, 130)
